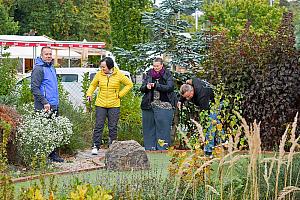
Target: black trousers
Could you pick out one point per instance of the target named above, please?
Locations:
(112, 115)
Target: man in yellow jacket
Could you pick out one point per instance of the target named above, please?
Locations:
(109, 81)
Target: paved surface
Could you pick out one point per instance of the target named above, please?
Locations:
(82, 160)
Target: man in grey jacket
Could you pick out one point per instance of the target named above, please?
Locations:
(44, 87)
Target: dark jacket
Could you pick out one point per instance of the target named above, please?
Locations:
(164, 85)
(44, 85)
(203, 94)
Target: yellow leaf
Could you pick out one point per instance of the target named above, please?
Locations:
(197, 146)
(219, 127)
(214, 122)
(38, 195)
(51, 196)
(161, 142)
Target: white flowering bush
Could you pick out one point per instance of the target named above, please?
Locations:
(40, 133)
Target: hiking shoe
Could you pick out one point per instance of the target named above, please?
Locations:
(208, 154)
(54, 157)
(94, 151)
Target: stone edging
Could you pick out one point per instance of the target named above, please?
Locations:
(29, 178)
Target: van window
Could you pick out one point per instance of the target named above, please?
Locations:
(92, 75)
(68, 77)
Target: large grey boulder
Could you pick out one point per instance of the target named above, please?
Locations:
(126, 155)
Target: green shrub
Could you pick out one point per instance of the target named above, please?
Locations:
(6, 187)
(87, 191)
(20, 94)
(83, 123)
(9, 99)
(130, 124)
(25, 95)
(8, 74)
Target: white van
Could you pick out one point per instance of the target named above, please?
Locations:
(72, 78)
(75, 74)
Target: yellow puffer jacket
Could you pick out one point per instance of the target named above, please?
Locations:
(109, 93)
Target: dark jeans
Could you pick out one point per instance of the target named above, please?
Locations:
(213, 136)
(157, 124)
(112, 115)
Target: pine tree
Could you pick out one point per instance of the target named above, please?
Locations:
(168, 37)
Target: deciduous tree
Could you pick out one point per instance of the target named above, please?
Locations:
(7, 23)
(65, 20)
(125, 18)
(232, 15)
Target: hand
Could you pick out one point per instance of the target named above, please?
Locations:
(89, 98)
(47, 107)
(179, 105)
(189, 82)
(149, 85)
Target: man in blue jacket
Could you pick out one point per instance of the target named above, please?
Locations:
(44, 87)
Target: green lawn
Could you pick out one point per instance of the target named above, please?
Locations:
(153, 184)
(158, 162)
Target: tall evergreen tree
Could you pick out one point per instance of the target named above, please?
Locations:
(168, 37)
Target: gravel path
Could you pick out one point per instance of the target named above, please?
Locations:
(82, 160)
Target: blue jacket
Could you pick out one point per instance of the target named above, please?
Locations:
(44, 85)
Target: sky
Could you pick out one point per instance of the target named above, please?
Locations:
(157, 2)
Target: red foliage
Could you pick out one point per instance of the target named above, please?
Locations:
(10, 116)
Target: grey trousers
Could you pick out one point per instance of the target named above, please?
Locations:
(157, 124)
(112, 115)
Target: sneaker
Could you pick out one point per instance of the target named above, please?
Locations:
(95, 151)
(54, 157)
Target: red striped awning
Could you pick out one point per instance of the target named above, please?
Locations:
(53, 44)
